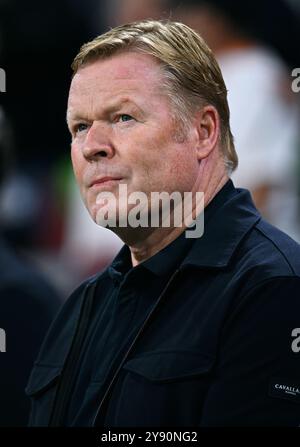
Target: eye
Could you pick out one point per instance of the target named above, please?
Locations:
(124, 117)
(77, 128)
(80, 127)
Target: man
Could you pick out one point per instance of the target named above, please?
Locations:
(179, 330)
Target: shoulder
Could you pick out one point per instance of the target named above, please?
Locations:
(267, 265)
(263, 268)
(268, 253)
(279, 245)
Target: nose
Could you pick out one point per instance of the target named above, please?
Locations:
(97, 143)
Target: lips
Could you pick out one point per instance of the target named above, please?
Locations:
(106, 179)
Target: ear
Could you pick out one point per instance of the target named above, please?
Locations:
(207, 126)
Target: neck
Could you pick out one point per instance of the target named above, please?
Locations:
(154, 243)
(146, 242)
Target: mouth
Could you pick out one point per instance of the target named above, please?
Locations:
(105, 181)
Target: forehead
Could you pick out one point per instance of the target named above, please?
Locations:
(121, 73)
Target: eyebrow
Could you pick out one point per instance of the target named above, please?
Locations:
(111, 107)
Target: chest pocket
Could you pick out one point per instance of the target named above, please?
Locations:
(41, 388)
(164, 367)
(162, 388)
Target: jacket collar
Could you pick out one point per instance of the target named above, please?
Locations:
(227, 220)
(160, 264)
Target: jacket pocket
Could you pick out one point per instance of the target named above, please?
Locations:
(41, 389)
(164, 388)
(168, 366)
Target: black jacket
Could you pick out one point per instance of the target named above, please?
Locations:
(217, 347)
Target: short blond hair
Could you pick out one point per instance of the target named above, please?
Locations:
(192, 74)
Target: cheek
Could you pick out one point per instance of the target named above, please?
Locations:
(182, 165)
(182, 169)
(77, 162)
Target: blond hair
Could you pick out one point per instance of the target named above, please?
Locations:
(192, 74)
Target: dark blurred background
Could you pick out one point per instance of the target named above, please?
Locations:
(257, 44)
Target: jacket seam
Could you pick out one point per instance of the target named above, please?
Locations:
(280, 251)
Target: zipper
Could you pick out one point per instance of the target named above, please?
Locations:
(68, 376)
(146, 323)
